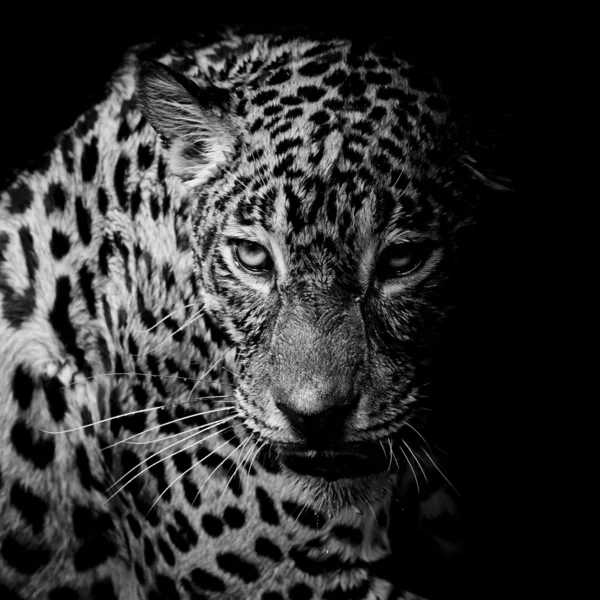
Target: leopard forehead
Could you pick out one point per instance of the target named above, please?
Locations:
(335, 146)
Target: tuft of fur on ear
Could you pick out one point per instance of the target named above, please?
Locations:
(192, 121)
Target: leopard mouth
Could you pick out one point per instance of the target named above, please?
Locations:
(348, 462)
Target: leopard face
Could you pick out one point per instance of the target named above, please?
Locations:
(328, 190)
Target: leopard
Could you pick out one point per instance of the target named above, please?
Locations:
(220, 291)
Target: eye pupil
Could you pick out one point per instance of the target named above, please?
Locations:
(253, 256)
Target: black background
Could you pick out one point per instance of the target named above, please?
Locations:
(54, 66)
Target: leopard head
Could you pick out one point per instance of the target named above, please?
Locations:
(328, 188)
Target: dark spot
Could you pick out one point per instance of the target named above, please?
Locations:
(191, 492)
(134, 525)
(207, 581)
(55, 198)
(378, 77)
(139, 572)
(121, 170)
(86, 278)
(166, 551)
(313, 68)
(66, 147)
(145, 156)
(102, 201)
(32, 508)
(149, 554)
(234, 517)
(22, 387)
(103, 590)
(83, 466)
(60, 320)
(345, 533)
(31, 257)
(336, 78)
(263, 98)
(84, 221)
(300, 591)
(40, 452)
(212, 525)
(136, 200)
(123, 132)
(166, 586)
(89, 160)
(377, 113)
(86, 122)
(62, 593)
(55, 396)
(21, 198)
(104, 253)
(288, 144)
(280, 76)
(185, 527)
(59, 244)
(26, 560)
(271, 596)
(265, 547)
(268, 512)
(235, 565)
(154, 206)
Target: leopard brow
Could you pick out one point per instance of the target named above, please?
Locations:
(251, 234)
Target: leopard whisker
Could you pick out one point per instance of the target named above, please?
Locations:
(247, 455)
(408, 424)
(256, 454)
(300, 513)
(136, 374)
(209, 370)
(126, 440)
(215, 424)
(213, 472)
(239, 464)
(385, 454)
(374, 515)
(393, 453)
(186, 471)
(187, 323)
(134, 412)
(165, 318)
(417, 461)
(441, 473)
(413, 471)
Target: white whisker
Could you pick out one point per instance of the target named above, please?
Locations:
(416, 460)
(126, 440)
(186, 471)
(239, 464)
(136, 374)
(186, 324)
(440, 472)
(165, 318)
(214, 471)
(413, 471)
(205, 428)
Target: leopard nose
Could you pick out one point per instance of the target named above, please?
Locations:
(320, 426)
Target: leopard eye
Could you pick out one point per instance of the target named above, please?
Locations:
(400, 260)
(252, 256)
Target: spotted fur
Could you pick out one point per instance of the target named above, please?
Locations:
(132, 341)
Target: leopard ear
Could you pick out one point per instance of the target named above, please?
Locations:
(192, 121)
